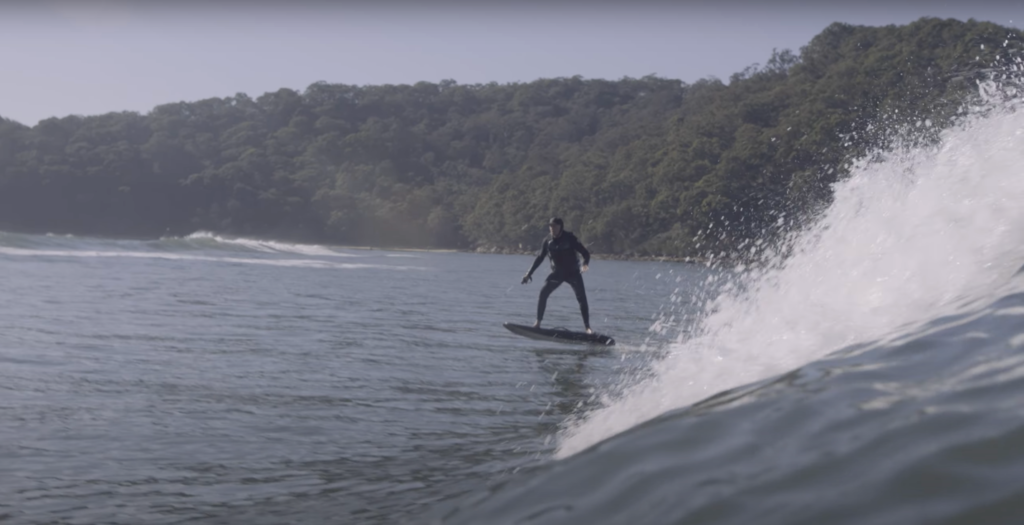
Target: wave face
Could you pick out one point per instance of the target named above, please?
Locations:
(873, 375)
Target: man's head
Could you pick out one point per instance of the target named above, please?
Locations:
(555, 225)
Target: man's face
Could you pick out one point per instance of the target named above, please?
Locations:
(555, 229)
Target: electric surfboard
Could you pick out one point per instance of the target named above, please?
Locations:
(559, 335)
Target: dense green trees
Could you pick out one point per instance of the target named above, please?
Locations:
(646, 166)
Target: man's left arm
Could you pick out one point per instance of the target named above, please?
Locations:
(578, 246)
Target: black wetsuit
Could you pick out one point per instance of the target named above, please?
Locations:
(565, 267)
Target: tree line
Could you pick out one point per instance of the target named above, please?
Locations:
(648, 166)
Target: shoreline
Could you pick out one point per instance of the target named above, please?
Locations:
(491, 250)
(598, 256)
(497, 251)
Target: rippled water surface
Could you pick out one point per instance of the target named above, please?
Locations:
(240, 381)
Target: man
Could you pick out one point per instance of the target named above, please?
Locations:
(561, 247)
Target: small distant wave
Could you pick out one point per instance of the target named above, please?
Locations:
(294, 263)
(25, 240)
(209, 238)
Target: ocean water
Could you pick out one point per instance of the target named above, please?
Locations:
(218, 380)
(875, 374)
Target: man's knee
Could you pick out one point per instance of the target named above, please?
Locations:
(581, 292)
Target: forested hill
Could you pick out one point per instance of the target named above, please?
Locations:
(635, 166)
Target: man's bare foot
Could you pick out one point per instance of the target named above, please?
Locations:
(589, 331)
(536, 324)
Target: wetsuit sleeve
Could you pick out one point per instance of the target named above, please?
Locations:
(578, 246)
(540, 258)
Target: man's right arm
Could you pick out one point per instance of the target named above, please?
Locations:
(536, 262)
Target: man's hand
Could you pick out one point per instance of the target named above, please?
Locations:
(584, 268)
(527, 278)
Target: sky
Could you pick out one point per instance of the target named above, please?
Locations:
(88, 57)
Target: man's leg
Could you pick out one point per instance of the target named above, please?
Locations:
(542, 302)
(576, 282)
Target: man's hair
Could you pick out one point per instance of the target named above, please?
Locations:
(556, 220)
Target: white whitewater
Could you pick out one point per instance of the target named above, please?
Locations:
(917, 234)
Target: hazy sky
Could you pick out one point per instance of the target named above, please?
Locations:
(89, 56)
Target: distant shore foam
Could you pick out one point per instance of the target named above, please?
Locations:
(267, 245)
(293, 263)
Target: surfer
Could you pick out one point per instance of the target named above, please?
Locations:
(561, 246)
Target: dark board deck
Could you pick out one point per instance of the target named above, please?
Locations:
(560, 336)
